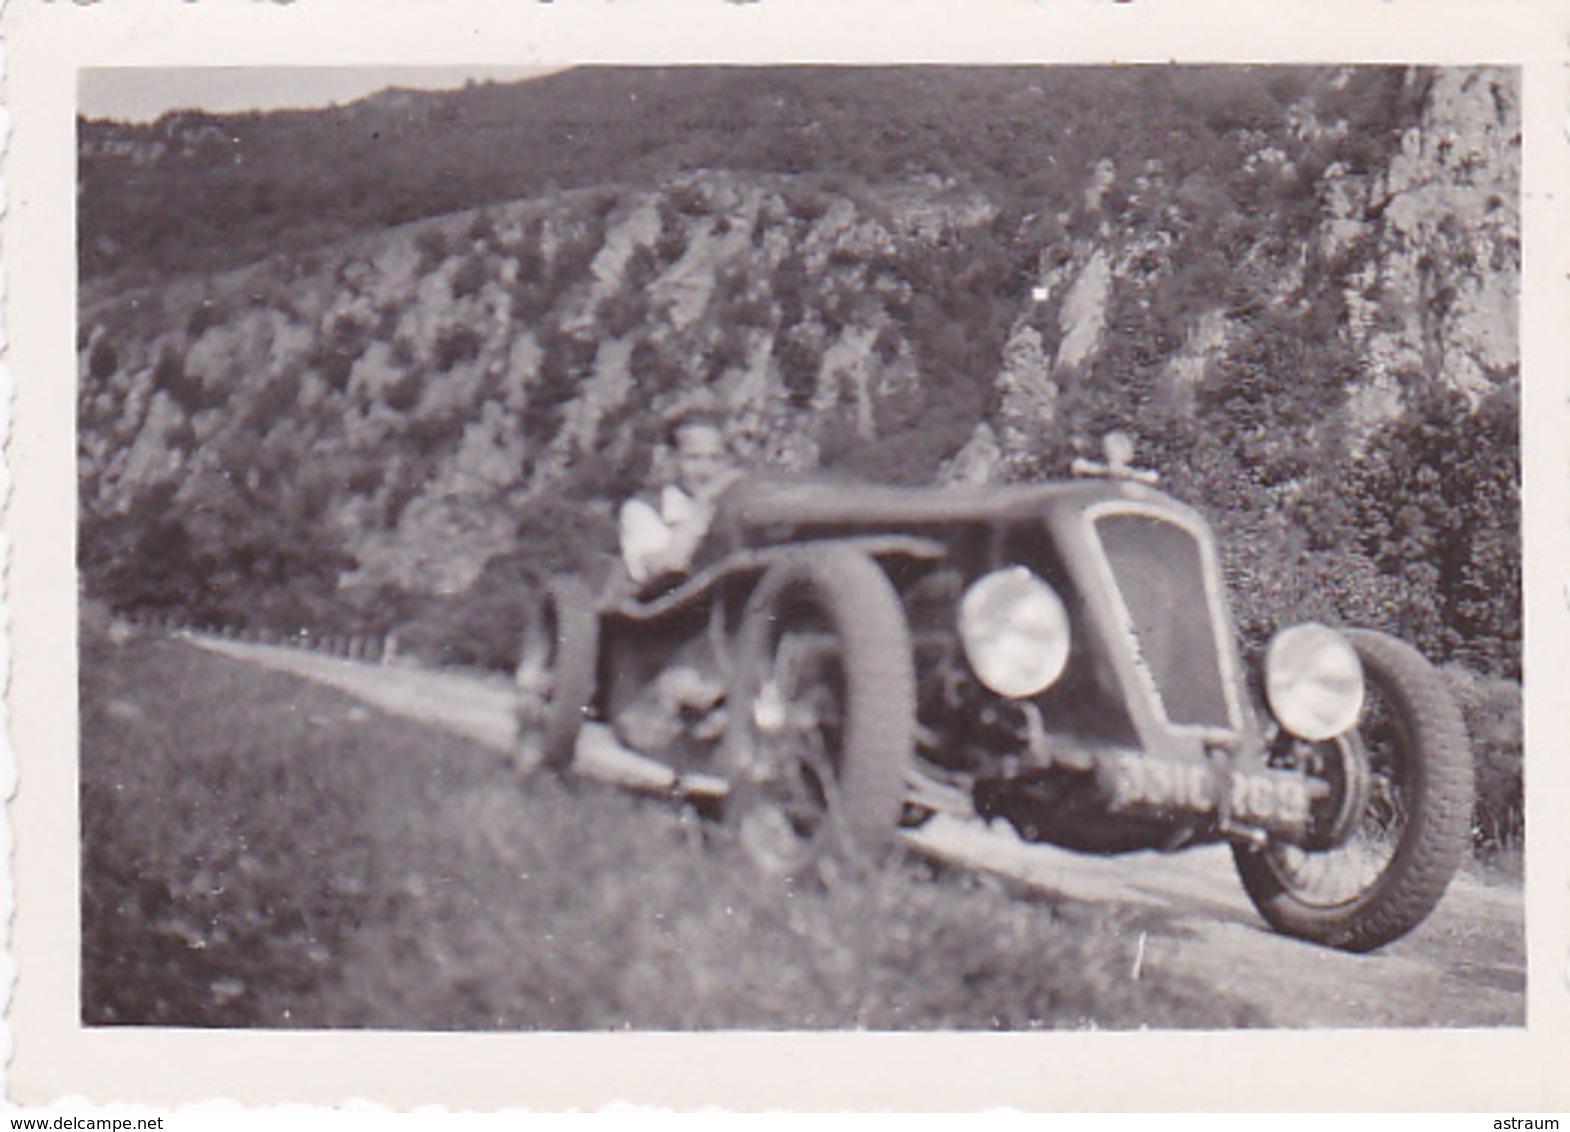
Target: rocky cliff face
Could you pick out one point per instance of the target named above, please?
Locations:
(1438, 298)
(1417, 257)
(408, 394)
(432, 380)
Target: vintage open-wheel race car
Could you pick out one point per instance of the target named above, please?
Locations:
(1061, 656)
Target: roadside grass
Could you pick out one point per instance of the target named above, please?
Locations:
(260, 851)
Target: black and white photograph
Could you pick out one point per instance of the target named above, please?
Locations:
(798, 547)
(813, 555)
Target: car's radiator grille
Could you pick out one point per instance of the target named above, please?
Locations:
(1160, 574)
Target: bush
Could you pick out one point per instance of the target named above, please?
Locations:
(346, 340)
(807, 205)
(457, 343)
(473, 630)
(1437, 503)
(623, 311)
(689, 200)
(404, 393)
(482, 229)
(672, 242)
(102, 361)
(171, 376)
(799, 361)
(1492, 709)
(431, 244)
(481, 626)
(656, 369)
(910, 458)
(471, 275)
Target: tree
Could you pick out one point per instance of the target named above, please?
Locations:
(1437, 499)
(1276, 397)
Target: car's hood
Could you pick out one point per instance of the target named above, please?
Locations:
(818, 501)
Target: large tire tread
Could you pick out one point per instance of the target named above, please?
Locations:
(865, 610)
(1439, 827)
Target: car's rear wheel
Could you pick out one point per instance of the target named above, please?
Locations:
(555, 678)
(822, 712)
(1394, 857)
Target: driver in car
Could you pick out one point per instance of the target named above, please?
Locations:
(658, 543)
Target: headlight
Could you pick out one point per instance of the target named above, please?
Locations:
(1313, 681)
(1015, 632)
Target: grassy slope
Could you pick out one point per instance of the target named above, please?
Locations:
(260, 851)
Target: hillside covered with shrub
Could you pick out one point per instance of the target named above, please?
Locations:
(376, 367)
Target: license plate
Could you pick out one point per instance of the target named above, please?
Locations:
(1269, 798)
(1274, 798)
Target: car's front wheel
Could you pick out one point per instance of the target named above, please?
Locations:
(1393, 858)
(822, 712)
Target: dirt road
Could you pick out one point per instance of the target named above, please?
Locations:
(1465, 966)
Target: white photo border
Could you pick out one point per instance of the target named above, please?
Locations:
(54, 1056)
